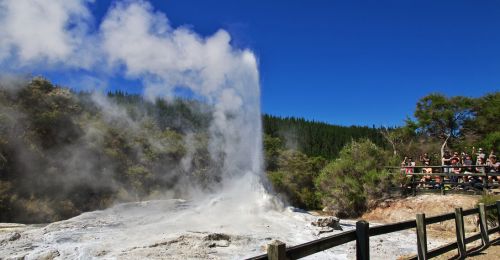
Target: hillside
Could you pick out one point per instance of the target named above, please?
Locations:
(317, 138)
(63, 153)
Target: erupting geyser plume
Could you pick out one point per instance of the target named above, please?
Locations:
(136, 42)
(139, 43)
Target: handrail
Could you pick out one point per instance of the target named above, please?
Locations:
(439, 218)
(436, 166)
(393, 227)
(278, 251)
(321, 244)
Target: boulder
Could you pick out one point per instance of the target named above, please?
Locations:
(331, 222)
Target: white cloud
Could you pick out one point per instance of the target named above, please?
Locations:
(46, 32)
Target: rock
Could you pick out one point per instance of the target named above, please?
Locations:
(331, 222)
(325, 230)
(45, 255)
(14, 236)
(217, 240)
(217, 237)
(222, 243)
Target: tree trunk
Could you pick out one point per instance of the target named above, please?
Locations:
(385, 133)
(444, 145)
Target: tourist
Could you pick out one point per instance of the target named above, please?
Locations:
(411, 163)
(479, 155)
(425, 158)
(480, 165)
(468, 162)
(426, 178)
(493, 166)
(455, 161)
(446, 161)
(468, 170)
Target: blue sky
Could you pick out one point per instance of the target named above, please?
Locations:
(351, 62)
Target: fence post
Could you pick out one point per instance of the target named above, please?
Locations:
(483, 225)
(276, 250)
(498, 212)
(421, 237)
(413, 186)
(362, 240)
(459, 227)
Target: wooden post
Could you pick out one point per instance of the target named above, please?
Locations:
(459, 227)
(362, 240)
(414, 188)
(442, 187)
(498, 211)
(421, 237)
(485, 184)
(483, 225)
(276, 250)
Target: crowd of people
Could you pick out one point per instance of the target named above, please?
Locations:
(473, 165)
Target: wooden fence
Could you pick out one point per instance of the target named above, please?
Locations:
(448, 179)
(277, 250)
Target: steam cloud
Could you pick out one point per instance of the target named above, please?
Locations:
(137, 42)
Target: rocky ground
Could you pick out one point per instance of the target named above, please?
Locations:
(177, 229)
(390, 211)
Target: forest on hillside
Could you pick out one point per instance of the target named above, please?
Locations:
(64, 152)
(356, 178)
(317, 138)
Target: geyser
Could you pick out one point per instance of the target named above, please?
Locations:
(143, 43)
(136, 42)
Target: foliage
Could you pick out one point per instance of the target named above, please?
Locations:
(486, 110)
(443, 118)
(317, 138)
(294, 178)
(63, 153)
(400, 138)
(357, 176)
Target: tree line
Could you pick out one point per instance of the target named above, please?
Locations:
(64, 152)
(353, 179)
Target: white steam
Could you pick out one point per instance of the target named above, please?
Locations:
(137, 42)
(49, 32)
(141, 40)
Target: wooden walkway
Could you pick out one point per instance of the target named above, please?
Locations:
(278, 250)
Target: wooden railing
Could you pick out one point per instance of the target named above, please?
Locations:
(447, 177)
(277, 250)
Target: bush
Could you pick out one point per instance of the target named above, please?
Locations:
(348, 183)
(295, 177)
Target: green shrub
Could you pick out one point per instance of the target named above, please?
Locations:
(348, 183)
(295, 177)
